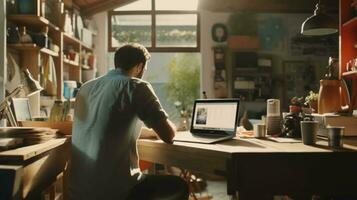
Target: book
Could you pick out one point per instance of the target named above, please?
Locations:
(349, 122)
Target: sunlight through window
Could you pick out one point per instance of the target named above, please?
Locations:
(136, 5)
(176, 5)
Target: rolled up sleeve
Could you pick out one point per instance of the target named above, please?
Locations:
(147, 105)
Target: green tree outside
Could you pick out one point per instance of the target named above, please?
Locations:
(184, 84)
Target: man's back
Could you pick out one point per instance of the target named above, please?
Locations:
(104, 158)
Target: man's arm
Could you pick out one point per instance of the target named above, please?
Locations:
(149, 110)
(164, 129)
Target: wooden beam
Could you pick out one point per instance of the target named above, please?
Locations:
(104, 6)
(276, 6)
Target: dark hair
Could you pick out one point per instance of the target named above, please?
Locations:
(130, 55)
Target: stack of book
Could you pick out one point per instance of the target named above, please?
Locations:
(10, 143)
(325, 120)
(29, 135)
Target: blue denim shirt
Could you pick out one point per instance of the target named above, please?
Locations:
(104, 162)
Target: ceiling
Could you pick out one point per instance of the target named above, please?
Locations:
(276, 6)
(90, 7)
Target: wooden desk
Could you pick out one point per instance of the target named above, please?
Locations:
(258, 169)
(34, 167)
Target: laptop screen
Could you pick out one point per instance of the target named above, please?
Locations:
(220, 116)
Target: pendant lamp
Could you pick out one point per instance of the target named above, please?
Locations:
(320, 23)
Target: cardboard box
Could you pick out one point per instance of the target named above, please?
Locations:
(243, 42)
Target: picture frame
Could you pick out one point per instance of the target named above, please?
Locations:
(219, 32)
(21, 109)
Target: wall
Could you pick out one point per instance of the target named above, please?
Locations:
(291, 24)
(2, 50)
(207, 19)
(101, 42)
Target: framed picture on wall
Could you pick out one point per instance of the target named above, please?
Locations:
(219, 32)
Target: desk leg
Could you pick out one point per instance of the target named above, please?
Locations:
(231, 178)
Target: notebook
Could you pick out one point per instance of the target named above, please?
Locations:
(213, 120)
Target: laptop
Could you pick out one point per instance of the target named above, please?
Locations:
(213, 120)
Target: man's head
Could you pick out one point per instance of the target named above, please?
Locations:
(132, 58)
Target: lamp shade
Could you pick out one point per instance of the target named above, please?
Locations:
(31, 86)
(319, 24)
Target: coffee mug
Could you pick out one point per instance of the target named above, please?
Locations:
(335, 134)
(259, 130)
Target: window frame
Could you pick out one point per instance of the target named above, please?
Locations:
(153, 13)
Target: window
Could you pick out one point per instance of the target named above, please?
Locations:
(175, 78)
(160, 25)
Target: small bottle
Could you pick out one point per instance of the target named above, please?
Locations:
(24, 37)
(204, 95)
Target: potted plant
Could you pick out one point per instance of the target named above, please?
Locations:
(291, 122)
(243, 31)
(312, 100)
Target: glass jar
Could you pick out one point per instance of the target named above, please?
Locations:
(24, 37)
(56, 114)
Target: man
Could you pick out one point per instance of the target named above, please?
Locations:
(104, 158)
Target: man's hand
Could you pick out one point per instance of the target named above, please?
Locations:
(146, 133)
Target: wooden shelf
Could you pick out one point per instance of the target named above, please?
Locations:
(85, 67)
(74, 41)
(32, 20)
(70, 39)
(49, 52)
(86, 47)
(350, 74)
(32, 47)
(350, 23)
(71, 63)
(354, 3)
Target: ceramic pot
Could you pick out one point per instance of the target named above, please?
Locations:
(333, 96)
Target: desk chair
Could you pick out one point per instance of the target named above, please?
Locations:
(195, 185)
(144, 165)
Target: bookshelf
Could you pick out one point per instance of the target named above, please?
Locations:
(31, 56)
(348, 41)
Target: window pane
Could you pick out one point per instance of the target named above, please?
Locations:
(136, 5)
(178, 30)
(176, 5)
(175, 77)
(131, 28)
